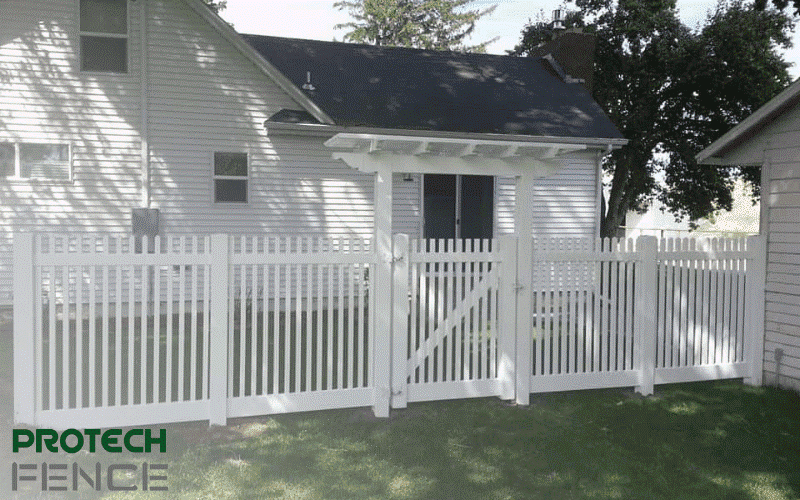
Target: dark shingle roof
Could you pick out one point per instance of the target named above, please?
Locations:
(399, 88)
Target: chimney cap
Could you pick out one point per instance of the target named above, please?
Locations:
(558, 20)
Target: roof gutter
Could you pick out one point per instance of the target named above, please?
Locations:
(329, 130)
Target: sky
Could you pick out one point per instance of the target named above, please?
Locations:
(315, 19)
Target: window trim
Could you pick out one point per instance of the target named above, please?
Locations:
(18, 163)
(215, 177)
(119, 36)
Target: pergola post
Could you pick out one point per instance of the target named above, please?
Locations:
(382, 336)
(523, 227)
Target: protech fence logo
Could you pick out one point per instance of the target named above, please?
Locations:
(47, 476)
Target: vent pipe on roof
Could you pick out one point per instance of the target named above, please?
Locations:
(308, 85)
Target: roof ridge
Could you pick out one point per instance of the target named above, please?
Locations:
(397, 48)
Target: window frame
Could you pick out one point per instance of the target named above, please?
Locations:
(118, 36)
(215, 177)
(18, 163)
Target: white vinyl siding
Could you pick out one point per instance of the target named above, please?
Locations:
(782, 315)
(777, 146)
(564, 204)
(206, 97)
(46, 99)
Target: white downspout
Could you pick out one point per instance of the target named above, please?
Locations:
(145, 131)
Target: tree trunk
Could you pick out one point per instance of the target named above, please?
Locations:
(618, 203)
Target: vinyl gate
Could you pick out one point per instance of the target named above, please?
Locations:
(457, 327)
(111, 332)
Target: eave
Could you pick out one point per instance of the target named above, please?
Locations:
(434, 135)
(750, 126)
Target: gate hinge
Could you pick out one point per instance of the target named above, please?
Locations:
(519, 287)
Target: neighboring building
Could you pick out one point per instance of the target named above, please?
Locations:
(770, 138)
(157, 112)
(740, 221)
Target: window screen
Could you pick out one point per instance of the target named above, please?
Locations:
(104, 16)
(104, 35)
(104, 54)
(44, 161)
(230, 177)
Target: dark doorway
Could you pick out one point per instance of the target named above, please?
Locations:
(458, 206)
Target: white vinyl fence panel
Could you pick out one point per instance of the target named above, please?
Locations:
(111, 331)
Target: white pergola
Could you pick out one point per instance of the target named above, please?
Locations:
(523, 158)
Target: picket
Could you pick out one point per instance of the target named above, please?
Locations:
(187, 327)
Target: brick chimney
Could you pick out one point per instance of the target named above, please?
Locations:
(573, 50)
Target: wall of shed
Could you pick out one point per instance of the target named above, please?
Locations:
(777, 145)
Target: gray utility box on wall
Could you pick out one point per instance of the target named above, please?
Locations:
(144, 223)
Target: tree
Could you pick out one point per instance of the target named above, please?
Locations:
(217, 6)
(424, 24)
(672, 90)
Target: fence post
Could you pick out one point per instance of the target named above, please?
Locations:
(382, 336)
(523, 227)
(507, 316)
(754, 308)
(400, 322)
(218, 350)
(644, 343)
(24, 295)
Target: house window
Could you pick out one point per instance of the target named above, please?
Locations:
(230, 177)
(104, 35)
(35, 161)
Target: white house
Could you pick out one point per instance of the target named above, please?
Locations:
(769, 138)
(740, 221)
(155, 115)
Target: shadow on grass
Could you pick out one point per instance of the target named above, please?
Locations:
(707, 440)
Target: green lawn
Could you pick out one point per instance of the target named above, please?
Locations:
(706, 440)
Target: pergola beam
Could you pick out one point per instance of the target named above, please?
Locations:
(371, 163)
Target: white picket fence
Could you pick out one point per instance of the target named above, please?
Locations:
(611, 313)
(109, 333)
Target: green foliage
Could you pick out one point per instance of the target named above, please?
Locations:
(673, 90)
(217, 6)
(423, 24)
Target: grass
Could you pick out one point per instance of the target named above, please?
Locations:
(708, 440)
(705, 440)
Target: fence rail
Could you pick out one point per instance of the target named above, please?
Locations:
(116, 331)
